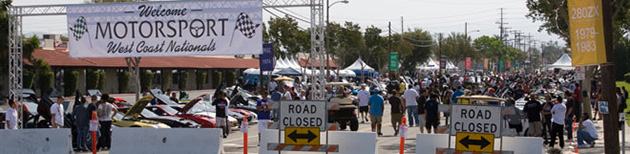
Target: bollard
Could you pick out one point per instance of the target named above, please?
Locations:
(244, 128)
(94, 128)
(402, 132)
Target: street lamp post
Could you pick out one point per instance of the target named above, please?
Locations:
(328, 5)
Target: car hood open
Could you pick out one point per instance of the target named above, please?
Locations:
(136, 109)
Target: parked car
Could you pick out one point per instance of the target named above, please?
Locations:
(131, 118)
(198, 109)
(165, 110)
(174, 122)
(121, 120)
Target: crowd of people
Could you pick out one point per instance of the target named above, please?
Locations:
(553, 107)
(81, 114)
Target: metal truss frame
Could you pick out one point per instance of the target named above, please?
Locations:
(318, 80)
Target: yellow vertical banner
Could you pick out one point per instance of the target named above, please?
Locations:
(586, 28)
(485, 63)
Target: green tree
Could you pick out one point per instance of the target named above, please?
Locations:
(28, 78)
(351, 44)
(70, 82)
(422, 43)
(146, 78)
(286, 36)
(376, 55)
(29, 45)
(622, 53)
(201, 79)
(102, 80)
(490, 47)
(123, 81)
(457, 47)
(4, 36)
(92, 79)
(45, 75)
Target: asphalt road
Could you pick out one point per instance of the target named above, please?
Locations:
(388, 143)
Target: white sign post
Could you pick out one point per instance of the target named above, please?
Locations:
(476, 119)
(165, 29)
(303, 114)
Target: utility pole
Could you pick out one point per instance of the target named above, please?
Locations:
(402, 28)
(501, 37)
(440, 50)
(465, 29)
(389, 41)
(611, 128)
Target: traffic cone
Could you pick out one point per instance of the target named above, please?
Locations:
(576, 149)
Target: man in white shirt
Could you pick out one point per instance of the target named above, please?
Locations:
(287, 94)
(11, 116)
(364, 97)
(56, 110)
(557, 127)
(409, 97)
(587, 132)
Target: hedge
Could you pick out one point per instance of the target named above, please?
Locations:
(201, 79)
(183, 80)
(216, 79)
(91, 80)
(123, 81)
(46, 80)
(626, 77)
(70, 82)
(230, 78)
(46, 77)
(29, 78)
(146, 78)
(102, 80)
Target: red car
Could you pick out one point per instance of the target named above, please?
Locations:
(165, 110)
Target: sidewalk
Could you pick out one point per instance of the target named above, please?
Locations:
(599, 143)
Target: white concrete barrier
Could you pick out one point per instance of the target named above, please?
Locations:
(166, 141)
(36, 141)
(428, 143)
(349, 142)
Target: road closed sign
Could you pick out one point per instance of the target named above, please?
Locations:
(303, 114)
(476, 119)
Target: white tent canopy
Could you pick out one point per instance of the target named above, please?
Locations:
(357, 65)
(429, 65)
(563, 62)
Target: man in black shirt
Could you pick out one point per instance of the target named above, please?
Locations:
(532, 110)
(422, 101)
(431, 108)
(398, 108)
(221, 105)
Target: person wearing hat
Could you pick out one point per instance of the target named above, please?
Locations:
(377, 104)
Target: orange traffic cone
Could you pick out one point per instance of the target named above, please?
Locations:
(576, 150)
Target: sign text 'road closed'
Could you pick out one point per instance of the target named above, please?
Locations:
(476, 119)
(302, 114)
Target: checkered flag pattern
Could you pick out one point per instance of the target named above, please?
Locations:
(245, 25)
(79, 28)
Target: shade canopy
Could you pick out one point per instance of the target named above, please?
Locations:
(358, 65)
(563, 62)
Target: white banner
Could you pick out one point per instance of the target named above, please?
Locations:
(159, 29)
